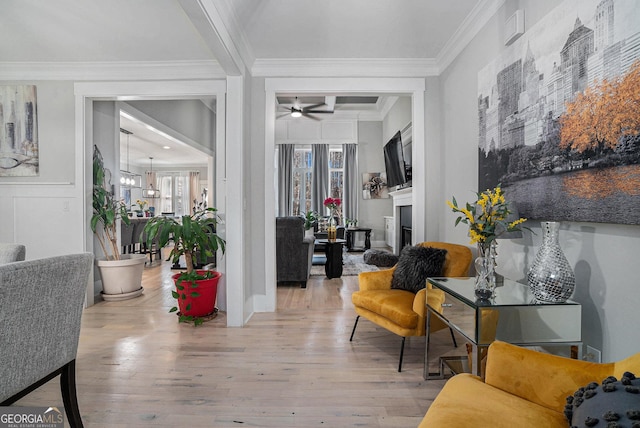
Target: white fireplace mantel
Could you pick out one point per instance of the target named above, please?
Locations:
(401, 198)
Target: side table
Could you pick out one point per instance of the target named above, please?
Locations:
(333, 250)
(350, 235)
(512, 315)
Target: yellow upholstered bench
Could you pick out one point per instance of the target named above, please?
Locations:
(522, 388)
(403, 312)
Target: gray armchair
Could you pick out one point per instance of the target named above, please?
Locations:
(294, 251)
(11, 253)
(41, 303)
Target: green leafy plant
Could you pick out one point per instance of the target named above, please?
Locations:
(194, 237)
(106, 210)
(310, 217)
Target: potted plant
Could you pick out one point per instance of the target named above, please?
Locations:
(194, 237)
(121, 273)
(310, 218)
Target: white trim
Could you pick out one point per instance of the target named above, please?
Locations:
(111, 70)
(336, 86)
(345, 67)
(470, 27)
(234, 161)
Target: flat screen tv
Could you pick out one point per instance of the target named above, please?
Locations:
(394, 162)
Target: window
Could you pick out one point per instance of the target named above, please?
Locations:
(302, 181)
(174, 193)
(302, 177)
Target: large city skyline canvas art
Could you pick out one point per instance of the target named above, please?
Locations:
(559, 115)
(19, 131)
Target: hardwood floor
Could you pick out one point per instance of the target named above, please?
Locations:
(138, 367)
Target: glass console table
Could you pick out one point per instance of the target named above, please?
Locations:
(512, 315)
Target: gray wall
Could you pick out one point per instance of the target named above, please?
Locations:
(602, 255)
(371, 212)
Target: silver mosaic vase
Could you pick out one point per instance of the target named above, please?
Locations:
(551, 278)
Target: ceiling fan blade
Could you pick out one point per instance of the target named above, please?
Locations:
(311, 107)
(283, 115)
(318, 111)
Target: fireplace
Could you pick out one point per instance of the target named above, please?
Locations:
(405, 238)
(405, 226)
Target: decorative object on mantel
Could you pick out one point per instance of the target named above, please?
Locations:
(332, 204)
(550, 277)
(488, 218)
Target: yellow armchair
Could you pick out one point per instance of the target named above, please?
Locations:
(523, 388)
(400, 311)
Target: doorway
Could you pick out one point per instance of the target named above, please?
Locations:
(413, 87)
(87, 92)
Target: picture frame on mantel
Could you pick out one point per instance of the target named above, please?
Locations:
(19, 147)
(545, 110)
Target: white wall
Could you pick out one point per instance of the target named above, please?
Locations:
(190, 118)
(43, 212)
(602, 255)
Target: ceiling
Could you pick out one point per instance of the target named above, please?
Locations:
(124, 32)
(145, 141)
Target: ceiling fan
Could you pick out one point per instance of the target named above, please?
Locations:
(297, 111)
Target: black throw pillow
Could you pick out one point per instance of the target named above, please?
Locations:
(614, 403)
(415, 265)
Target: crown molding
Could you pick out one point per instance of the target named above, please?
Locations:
(344, 67)
(116, 70)
(470, 27)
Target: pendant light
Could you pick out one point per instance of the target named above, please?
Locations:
(150, 191)
(127, 178)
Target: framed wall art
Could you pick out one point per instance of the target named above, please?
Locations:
(19, 154)
(559, 115)
(374, 185)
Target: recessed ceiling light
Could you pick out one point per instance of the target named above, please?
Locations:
(166, 147)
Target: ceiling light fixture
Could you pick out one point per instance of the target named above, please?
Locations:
(295, 112)
(150, 192)
(127, 178)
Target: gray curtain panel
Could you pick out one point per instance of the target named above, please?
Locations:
(285, 179)
(320, 177)
(351, 181)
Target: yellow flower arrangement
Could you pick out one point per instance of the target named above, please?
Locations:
(141, 204)
(486, 217)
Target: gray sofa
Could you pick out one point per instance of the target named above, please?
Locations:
(11, 253)
(42, 303)
(294, 251)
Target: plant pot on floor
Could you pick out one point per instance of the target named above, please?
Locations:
(205, 302)
(122, 279)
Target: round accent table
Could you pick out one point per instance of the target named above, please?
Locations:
(333, 250)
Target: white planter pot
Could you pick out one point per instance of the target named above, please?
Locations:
(122, 279)
(309, 233)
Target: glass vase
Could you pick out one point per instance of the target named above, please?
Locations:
(550, 277)
(332, 229)
(485, 265)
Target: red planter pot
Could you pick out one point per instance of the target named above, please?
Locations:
(203, 304)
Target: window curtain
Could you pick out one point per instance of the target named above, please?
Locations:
(285, 179)
(320, 177)
(351, 184)
(194, 190)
